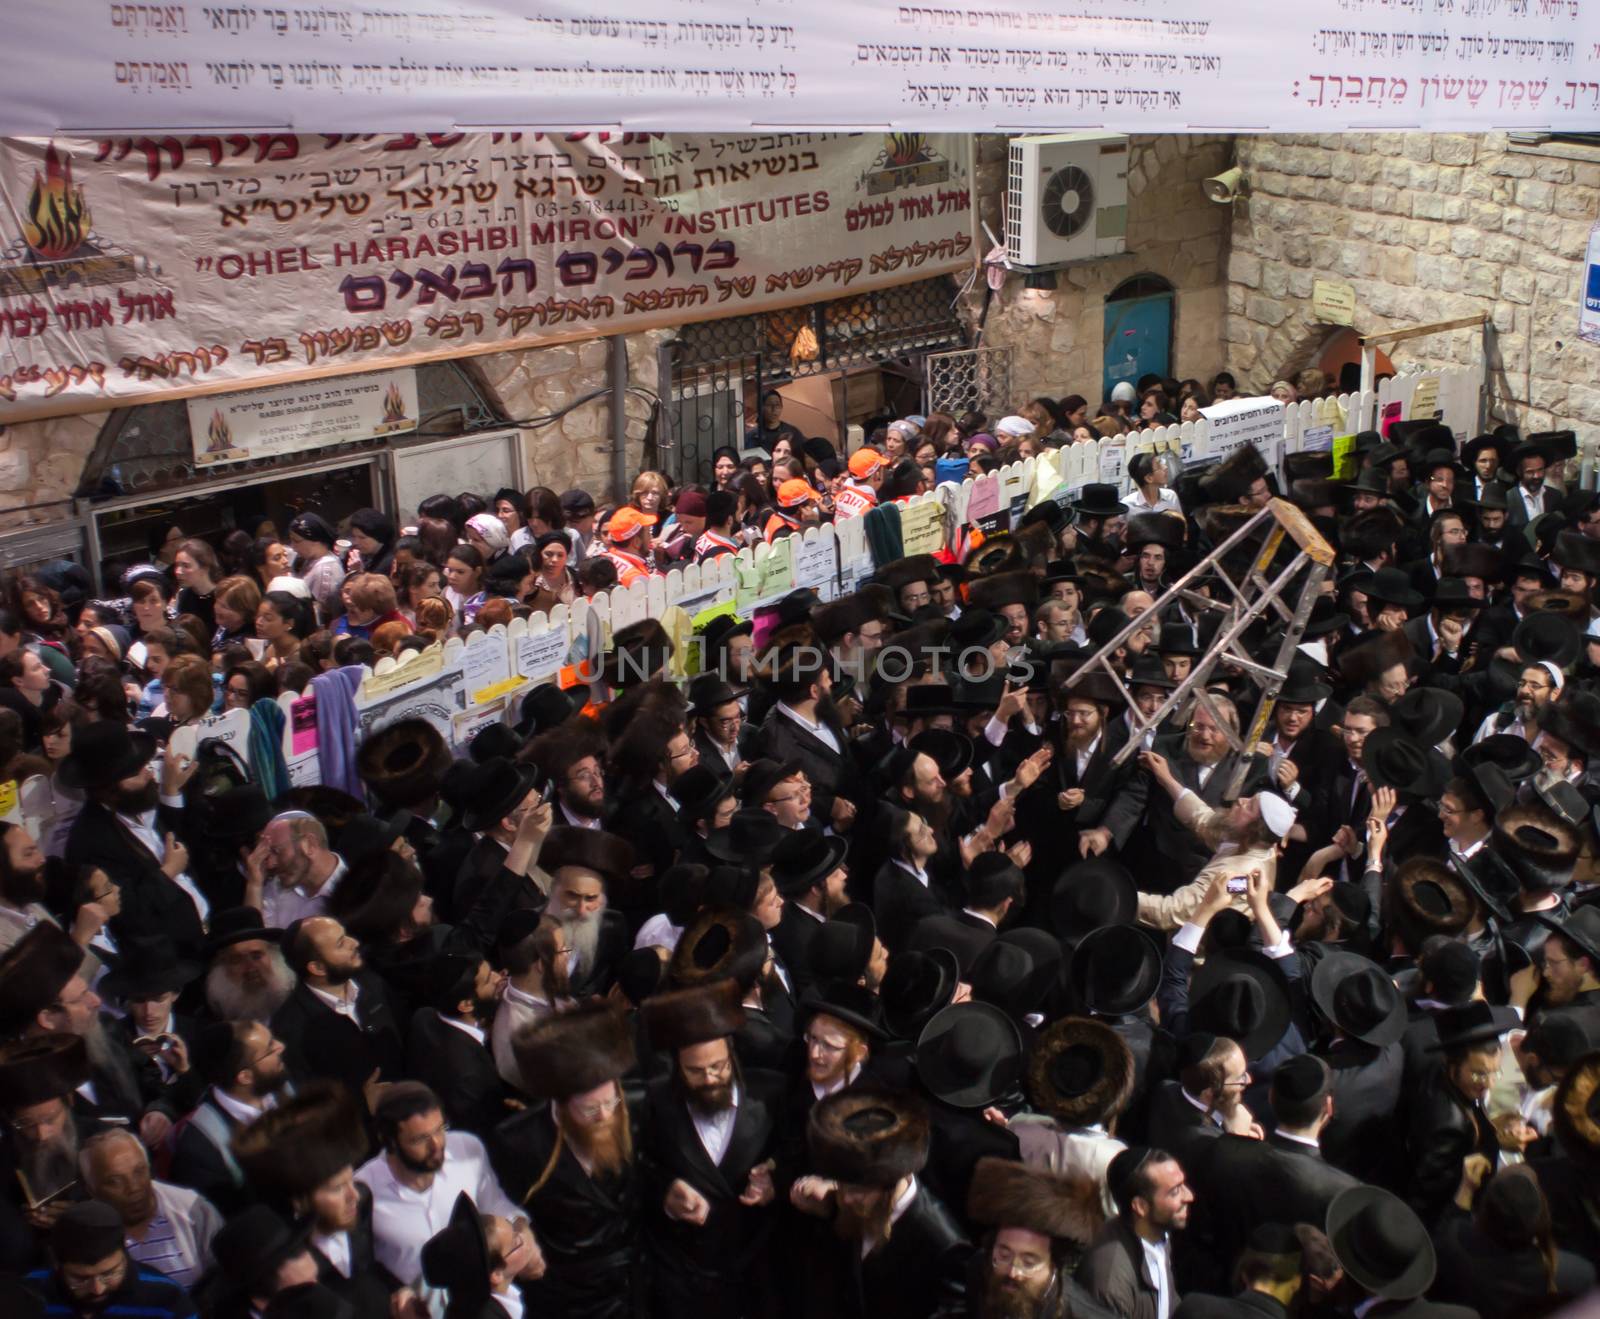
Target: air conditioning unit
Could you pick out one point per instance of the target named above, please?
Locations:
(1066, 198)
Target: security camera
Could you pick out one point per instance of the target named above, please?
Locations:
(1229, 186)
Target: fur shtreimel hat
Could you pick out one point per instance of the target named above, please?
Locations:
(1537, 845)
(1062, 1206)
(292, 1149)
(680, 1018)
(1230, 480)
(868, 1136)
(571, 1052)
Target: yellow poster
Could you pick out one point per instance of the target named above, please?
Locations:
(1344, 457)
(1333, 304)
(1425, 399)
(922, 527)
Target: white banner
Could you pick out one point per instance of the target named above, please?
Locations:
(132, 268)
(1241, 421)
(264, 423)
(678, 65)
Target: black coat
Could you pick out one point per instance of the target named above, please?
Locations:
(1361, 1138)
(648, 822)
(1166, 855)
(832, 774)
(612, 946)
(1175, 1124)
(1499, 1283)
(459, 1070)
(151, 903)
(1246, 1305)
(323, 1043)
(1443, 1130)
(900, 901)
(791, 940)
(965, 936)
(588, 1230)
(1241, 1183)
(199, 1164)
(919, 1273)
(959, 1139)
(369, 1286)
(719, 1267)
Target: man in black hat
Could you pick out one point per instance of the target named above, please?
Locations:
(807, 868)
(301, 1158)
(93, 1274)
(1529, 498)
(247, 978)
(585, 866)
(501, 795)
(447, 1044)
(1242, 1184)
(44, 1125)
(716, 722)
(803, 727)
(337, 1021)
(1439, 635)
(1129, 1265)
(711, 1144)
(1038, 1222)
(995, 891)
(1385, 1252)
(571, 1159)
(146, 982)
(572, 757)
(904, 1254)
(460, 1261)
(121, 830)
(259, 1257)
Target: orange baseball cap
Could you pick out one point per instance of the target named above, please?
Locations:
(626, 521)
(864, 462)
(795, 492)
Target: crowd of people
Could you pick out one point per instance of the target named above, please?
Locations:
(847, 963)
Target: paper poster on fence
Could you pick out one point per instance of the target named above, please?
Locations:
(1425, 399)
(1241, 421)
(816, 564)
(922, 527)
(770, 575)
(141, 268)
(540, 654)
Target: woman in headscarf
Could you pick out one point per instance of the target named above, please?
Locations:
(372, 534)
(487, 534)
(311, 538)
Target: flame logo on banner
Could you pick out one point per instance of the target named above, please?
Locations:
(394, 407)
(218, 434)
(905, 148)
(58, 217)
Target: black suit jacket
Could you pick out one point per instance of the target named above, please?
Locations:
(458, 1069)
(965, 936)
(614, 943)
(369, 1286)
(1175, 1124)
(588, 1230)
(729, 1248)
(322, 1042)
(1246, 1305)
(151, 903)
(201, 1166)
(791, 940)
(900, 901)
(1171, 853)
(919, 1273)
(832, 773)
(1362, 1138)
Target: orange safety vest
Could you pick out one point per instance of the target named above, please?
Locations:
(778, 525)
(712, 545)
(852, 500)
(629, 568)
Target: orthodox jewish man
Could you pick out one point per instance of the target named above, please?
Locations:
(710, 1151)
(570, 1160)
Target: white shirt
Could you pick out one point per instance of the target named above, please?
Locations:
(335, 1249)
(1166, 501)
(510, 1301)
(578, 821)
(143, 827)
(518, 1009)
(1155, 1258)
(237, 1109)
(728, 755)
(346, 1006)
(822, 1092)
(921, 876)
(1298, 1139)
(1085, 756)
(978, 916)
(404, 1219)
(282, 906)
(717, 1130)
(658, 932)
(818, 730)
(465, 1027)
(1534, 504)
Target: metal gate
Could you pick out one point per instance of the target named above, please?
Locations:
(716, 371)
(970, 379)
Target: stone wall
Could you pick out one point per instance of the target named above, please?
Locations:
(1057, 337)
(1426, 227)
(42, 462)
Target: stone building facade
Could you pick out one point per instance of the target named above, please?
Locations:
(1056, 337)
(1425, 227)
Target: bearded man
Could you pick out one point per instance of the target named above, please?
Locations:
(569, 1159)
(42, 1127)
(1039, 1225)
(535, 952)
(900, 1251)
(584, 866)
(1129, 1265)
(337, 1021)
(248, 978)
(127, 831)
(712, 1147)
(22, 890)
(447, 1046)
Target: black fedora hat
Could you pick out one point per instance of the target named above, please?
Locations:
(1098, 500)
(1472, 1023)
(1575, 721)
(699, 790)
(951, 751)
(148, 966)
(853, 1005)
(1090, 894)
(1115, 969)
(1177, 639)
(238, 925)
(1451, 594)
(1581, 927)
(1149, 671)
(1244, 995)
(456, 1258)
(708, 691)
(803, 858)
(1473, 447)
(926, 699)
(365, 836)
(1326, 617)
(104, 753)
(749, 839)
(1545, 636)
(497, 787)
(1381, 1243)
(1303, 684)
(1017, 971)
(543, 708)
(842, 947)
(1513, 756)
(970, 1055)
(1394, 759)
(1577, 552)
(494, 740)
(761, 776)
(1390, 586)
(1080, 1071)
(1096, 685)
(1427, 715)
(917, 985)
(1354, 994)
(977, 629)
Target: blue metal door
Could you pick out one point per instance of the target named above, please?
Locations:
(1138, 338)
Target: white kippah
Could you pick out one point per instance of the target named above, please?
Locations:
(293, 585)
(1556, 676)
(1277, 814)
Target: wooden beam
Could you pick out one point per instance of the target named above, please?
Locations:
(1420, 331)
